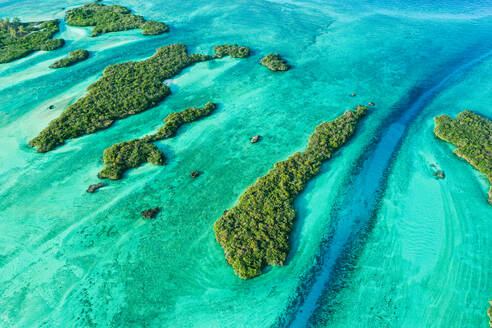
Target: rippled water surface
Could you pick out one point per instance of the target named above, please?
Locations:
(378, 242)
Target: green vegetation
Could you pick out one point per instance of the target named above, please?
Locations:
(174, 120)
(18, 39)
(471, 133)
(231, 50)
(130, 154)
(125, 89)
(154, 28)
(275, 63)
(73, 58)
(255, 232)
(111, 19)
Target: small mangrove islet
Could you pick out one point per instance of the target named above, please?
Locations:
(255, 232)
(131, 154)
(471, 134)
(114, 18)
(125, 89)
(275, 63)
(73, 58)
(232, 50)
(18, 39)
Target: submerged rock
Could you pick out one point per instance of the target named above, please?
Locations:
(52, 107)
(195, 174)
(94, 187)
(439, 174)
(255, 139)
(150, 213)
(371, 104)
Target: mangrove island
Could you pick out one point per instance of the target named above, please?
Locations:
(18, 39)
(255, 232)
(124, 89)
(73, 58)
(130, 154)
(232, 50)
(114, 18)
(471, 133)
(275, 63)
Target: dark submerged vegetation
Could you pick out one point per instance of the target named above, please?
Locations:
(18, 39)
(73, 58)
(255, 232)
(275, 63)
(131, 154)
(93, 188)
(150, 213)
(232, 50)
(472, 134)
(111, 19)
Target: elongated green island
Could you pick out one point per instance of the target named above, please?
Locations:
(124, 89)
(73, 58)
(472, 134)
(130, 154)
(115, 18)
(275, 63)
(255, 232)
(18, 39)
(232, 50)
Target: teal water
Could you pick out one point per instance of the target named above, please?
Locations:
(405, 251)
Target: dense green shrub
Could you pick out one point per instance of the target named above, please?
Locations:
(18, 39)
(231, 50)
(255, 232)
(73, 58)
(174, 120)
(275, 63)
(154, 28)
(472, 134)
(125, 89)
(130, 154)
(111, 19)
(52, 44)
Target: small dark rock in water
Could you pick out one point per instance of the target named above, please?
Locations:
(225, 212)
(94, 187)
(150, 213)
(372, 104)
(195, 174)
(353, 95)
(439, 174)
(255, 139)
(52, 107)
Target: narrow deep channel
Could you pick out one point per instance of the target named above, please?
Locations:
(359, 207)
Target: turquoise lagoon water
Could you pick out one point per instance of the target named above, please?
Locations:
(378, 242)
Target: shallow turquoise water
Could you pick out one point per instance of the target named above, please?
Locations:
(405, 249)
